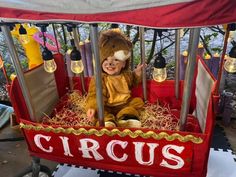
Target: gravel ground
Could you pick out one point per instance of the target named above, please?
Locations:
(3, 93)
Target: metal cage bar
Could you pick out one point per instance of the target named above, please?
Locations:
(76, 38)
(19, 71)
(143, 61)
(98, 72)
(177, 62)
(189, 76)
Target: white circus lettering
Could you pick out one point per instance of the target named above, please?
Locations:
(93, 149)
(166, 153)
(37, 141)
(111, 153)
(168, 156)
(139, 152)
(66, 146)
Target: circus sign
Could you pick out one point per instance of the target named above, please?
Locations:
(158, 155)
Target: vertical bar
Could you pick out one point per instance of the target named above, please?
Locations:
(76, 39)
(71, 83)
(189, 77)
(98, 72)
(143, 61)
(64, 37)
(216, 91)
(190, 39)
(19, 72)
(177, 62)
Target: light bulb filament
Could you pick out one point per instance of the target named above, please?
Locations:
(50, 66)
(230, 65)
(159, 74)
(77, 66)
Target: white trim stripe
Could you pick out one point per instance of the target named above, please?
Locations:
(85, 6)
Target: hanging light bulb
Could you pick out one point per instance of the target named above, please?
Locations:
(230, 63)
(49, 63)
(24, 39)
(76, 62)
(159, 72)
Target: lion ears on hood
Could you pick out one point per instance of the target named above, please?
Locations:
(114, 43)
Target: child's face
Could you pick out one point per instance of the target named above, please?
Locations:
(112, 66)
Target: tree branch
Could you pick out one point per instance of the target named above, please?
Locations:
(205, 46)
(152, 47)
(136, 38)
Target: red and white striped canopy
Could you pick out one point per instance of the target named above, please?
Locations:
(151, 13)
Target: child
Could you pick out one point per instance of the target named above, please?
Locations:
(120, 109)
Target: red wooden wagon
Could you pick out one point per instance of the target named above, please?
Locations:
(138, 151)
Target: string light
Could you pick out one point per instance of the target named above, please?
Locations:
(159, 71)
(76, 62)
(230, 63)
(48, 60)
(76, 66)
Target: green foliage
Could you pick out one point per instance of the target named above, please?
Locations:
(164, 52)
(170, 64)
(10, 69)
(209, 37)
(24, 64)
(215, 34)
(209, 40)
(136, 53)
(216, 49)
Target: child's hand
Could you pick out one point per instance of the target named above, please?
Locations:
(138, 70)
(90, 114)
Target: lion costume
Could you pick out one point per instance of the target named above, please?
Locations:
(119, 107)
